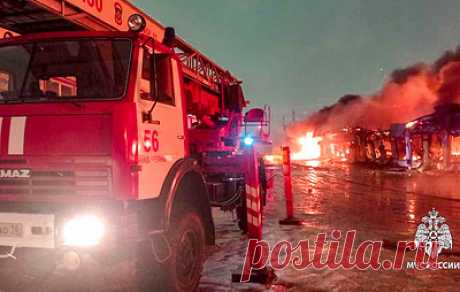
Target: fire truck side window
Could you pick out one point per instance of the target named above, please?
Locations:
(164, 76)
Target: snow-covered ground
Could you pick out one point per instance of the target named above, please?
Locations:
(380, 205)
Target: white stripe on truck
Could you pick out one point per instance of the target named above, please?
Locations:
(16, 139)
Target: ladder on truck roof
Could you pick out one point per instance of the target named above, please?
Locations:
(31, 16)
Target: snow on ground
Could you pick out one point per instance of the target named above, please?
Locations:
(380, 205)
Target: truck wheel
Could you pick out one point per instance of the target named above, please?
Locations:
(188, 252)
(182, 271)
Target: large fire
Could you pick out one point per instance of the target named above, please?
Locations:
(310, 148)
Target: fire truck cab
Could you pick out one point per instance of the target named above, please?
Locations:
(114, 144)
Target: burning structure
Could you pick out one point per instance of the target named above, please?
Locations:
(420, 107)
(310, 148)
(431, 141)
(345, 145)
(356, 145)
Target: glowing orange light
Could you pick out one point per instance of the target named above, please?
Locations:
(310, 148)
(134, 148)
(455, 146)
(273, 159)
(313, 163)
(411, 124)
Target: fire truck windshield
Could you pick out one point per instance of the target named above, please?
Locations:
(81, 69)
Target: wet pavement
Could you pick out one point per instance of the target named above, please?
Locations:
(379, 204)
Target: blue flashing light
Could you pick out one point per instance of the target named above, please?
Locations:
(248, 141)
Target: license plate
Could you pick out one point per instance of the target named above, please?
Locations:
(20, 230)
(11, 230)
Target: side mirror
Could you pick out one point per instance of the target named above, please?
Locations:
(154, 90)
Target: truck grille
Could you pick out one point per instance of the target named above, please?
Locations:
(74, 182)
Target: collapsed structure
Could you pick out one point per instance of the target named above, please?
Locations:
(431, 141)
(428, 142)
(355, 145)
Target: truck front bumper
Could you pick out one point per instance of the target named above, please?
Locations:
(37, 269)
(106, 266)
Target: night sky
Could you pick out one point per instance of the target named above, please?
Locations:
(304, 54)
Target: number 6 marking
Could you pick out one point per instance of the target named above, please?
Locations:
(155, 141)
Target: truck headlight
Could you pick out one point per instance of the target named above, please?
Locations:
(82, 231)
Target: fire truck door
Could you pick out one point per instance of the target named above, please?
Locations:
(161, 140)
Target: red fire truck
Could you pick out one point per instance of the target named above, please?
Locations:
(116, 139)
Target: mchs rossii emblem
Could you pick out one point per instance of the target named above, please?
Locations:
(433, 234)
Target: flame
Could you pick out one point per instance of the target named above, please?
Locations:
(455, 146)
(310, 148)
(273, 159)
(411, 124)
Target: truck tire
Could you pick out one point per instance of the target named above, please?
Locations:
(188, 252)
(182, 271)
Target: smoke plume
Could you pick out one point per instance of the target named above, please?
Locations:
(408, 94)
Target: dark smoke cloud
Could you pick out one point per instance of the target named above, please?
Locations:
(401, 76)
(447, 68)
(446, 58)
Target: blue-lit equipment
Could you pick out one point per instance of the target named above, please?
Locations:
(248, 141)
